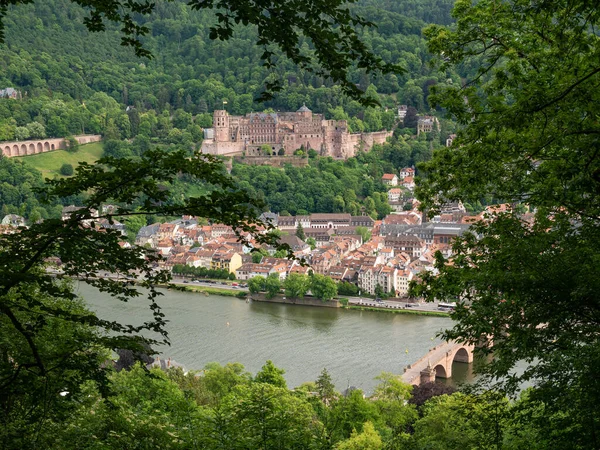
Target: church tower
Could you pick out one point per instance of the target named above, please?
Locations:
(221, 125)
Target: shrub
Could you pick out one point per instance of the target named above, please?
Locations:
(66, 170)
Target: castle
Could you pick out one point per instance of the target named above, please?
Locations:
(285, 133)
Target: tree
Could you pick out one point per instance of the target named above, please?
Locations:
(347, 288)
(265, 150)
(272, 285)
(335, 39)
(369, 439)
(322, 287)
(364, 233)
(296, 285)
(325, 387)
(271, 375)
(35, 305)
(21, 133)
(72, 144)
(312, 243)
(258, 255)
(66, 170)
(461, 421)
(256, 284)
(300, 232)
(36, 130)
(527, 135)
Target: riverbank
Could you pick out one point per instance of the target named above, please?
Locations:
(212, 291)
(305, 301)
(416, 312)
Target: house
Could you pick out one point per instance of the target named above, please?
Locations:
(407, 172)
(219, 230)
(13, 220)
(251, 270)
(450, 139)
(229, 261)
(164, 246)
(394, 195)
(408, 183)
(70, 211)
(362, 221)
(426, 124)
(412, 245)
(403, 278)
(10, 93)
(320, 235)
(167, 231)
(367, 279)
(112, 225)
(402, 110)
(298, 246)
(387, 253)
(147, 235)
(389, 179)
(332, 221)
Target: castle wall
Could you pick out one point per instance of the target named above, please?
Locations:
(32, 147)
(210, 147)
(276, 161)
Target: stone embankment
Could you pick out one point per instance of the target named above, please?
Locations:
(305, 301)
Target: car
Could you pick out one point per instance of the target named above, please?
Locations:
(185, 281)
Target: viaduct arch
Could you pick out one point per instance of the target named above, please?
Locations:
(32, 147)
(437, 363)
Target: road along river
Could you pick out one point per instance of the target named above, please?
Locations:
(354, 346)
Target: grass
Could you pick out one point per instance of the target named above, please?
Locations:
(215, 291)
(401, 311)
(50, 163)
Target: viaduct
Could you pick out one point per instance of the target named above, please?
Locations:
(24, 148)
(437, 363)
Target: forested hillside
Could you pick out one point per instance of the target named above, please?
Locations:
(56, 55)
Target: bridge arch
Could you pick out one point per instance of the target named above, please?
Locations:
(15, 150)
(46, 146)
(462, 354)
(440, 371)
(31, 149)
(23, 150)
(39, 148)
(52, 147)
(7, 151)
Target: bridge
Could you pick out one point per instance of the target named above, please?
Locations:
(32, 147)
(437, 363)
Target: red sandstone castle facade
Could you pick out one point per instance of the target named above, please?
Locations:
(236, 135)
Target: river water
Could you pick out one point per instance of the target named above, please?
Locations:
(354, 346)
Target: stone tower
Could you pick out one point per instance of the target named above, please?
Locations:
(221, 125)
(427, 374)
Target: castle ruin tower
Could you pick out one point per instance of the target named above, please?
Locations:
(221, 125)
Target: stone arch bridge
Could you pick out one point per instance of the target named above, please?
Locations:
(32, 147)
(437, 363)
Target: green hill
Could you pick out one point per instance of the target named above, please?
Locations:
(49, 164)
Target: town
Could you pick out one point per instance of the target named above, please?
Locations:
(378, 257)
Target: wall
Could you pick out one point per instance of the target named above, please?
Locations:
(306, 301)
(32, 147)
(276, 161)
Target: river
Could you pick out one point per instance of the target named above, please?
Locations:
(354, 346)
